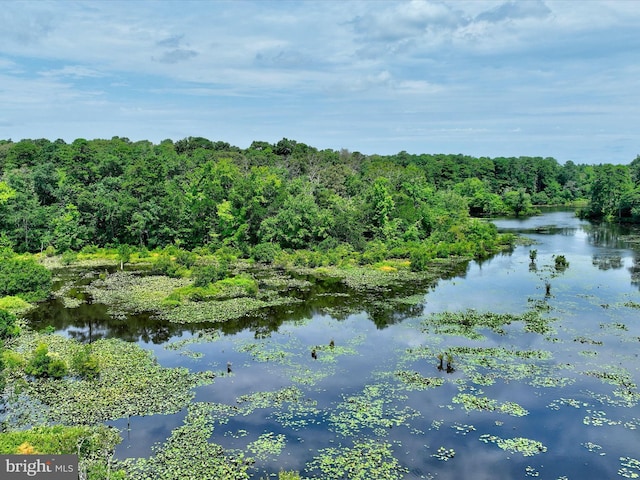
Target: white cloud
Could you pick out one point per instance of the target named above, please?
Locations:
(357, 73)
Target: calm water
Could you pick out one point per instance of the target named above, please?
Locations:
(585, 426)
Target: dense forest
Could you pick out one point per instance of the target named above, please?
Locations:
(195, 192)
(228, 234)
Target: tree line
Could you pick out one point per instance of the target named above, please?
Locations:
(196, 192)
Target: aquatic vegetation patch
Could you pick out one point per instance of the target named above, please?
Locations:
(366, 460)
(268, 445)
(415, 381)
(525, 446)
(374, 409)
(599, 419)
(444, 454)
(269, 399)
(222, 310)
(202, 336)
(299, 415)
(130, 382)
(629, 467)
(462, 429)
(466, 323)
(475, 402)
(130, 292)
(189, 454)
(593, 448)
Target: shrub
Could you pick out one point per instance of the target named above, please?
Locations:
(186, 259)
(85, 364)
(50, 251)
(165, 266)
(265, 252)
(24, 278)
(89, 249)
(8, 327)
(42, 365)
(561, 262)
(69, 257)
(419, 259)
(211, 273)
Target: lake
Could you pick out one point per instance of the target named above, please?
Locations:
(541, 382)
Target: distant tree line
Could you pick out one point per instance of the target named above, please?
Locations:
(196, 192)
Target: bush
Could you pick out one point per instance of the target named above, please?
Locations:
(8, 327)
(89, 249)
(50, 251)
(165, 266)
(561, 262)
(69, 257)
(85, 364)
(419, 259)
(24, 278)
(265, 252)
(186, 259)
(42, 365)
(211, 273)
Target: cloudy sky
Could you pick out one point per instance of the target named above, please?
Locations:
(495, 78)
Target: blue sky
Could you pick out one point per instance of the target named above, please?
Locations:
(483, 78)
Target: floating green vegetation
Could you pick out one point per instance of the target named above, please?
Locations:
(269, 399)
(265, 352)
(188, 454)
(467, 323)
(525, 446)
(373, 409)
(586, 340)
(268, 445)
(462, 429)
(366, 460)
(444, 454)
(599, 419)
(415, 381)
(129, 292)
(568, 402)
(632, 304)
(298, 415)
(130, 382)
(629, 467)
(474, 402)
(221, 311)
(202, 336)
(593, 448)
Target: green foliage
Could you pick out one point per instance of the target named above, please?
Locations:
(164, 265)
(124, 254)
(185, 258)
(561, 263)
(43, 365)
(420, 258)
(265, 252)
(69, 257)
(24, 278)
(60, 439)
(211, 273)
(8, 327)
(175, 458)
(84, 363)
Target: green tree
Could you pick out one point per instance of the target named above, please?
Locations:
(68, 232)
(24, 278)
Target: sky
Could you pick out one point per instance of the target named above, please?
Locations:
(484, 78)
